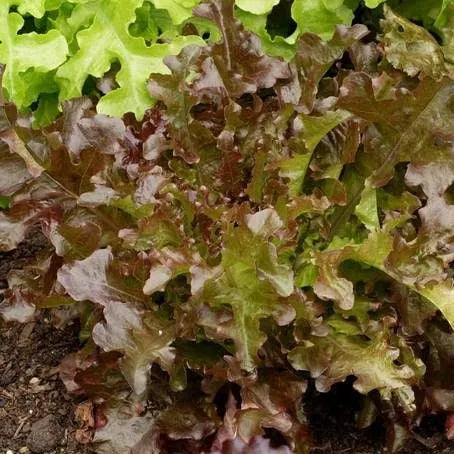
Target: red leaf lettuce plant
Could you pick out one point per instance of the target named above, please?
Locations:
(266, 224)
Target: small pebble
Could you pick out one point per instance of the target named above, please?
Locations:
(34, 381)
(24, 450)
(45, 435)
(9, 452)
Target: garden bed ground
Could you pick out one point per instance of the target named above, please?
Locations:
(30, 391)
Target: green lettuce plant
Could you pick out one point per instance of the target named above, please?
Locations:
(55, 50)
(77, 40)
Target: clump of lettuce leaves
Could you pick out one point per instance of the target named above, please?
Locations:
(55, 50)
(265, 224)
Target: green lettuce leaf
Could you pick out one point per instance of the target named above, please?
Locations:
(251, 282)
(256, 7)
(411, 48)
(94, 57)
(40, 53)
(331, 359)
(321, 16)
(179, 10)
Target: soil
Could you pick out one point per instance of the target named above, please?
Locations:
(30, 390)
(332, 419)
(32, 396)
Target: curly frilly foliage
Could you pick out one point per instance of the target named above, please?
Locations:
(267, 223)
(55, 50)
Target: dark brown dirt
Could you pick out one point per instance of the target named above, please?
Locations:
(21, 256)
(30, 391)
(332, 419)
